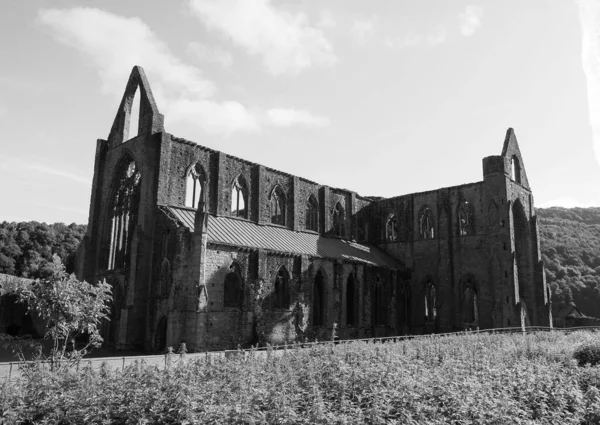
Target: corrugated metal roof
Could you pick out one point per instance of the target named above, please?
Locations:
(243, 233)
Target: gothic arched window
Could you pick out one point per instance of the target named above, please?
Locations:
(195, 184)
(515, 169)
(239, 197)
(281, 295)
(318, 307)
(403, 302)
(391, 228)
(123, 214)
(430, 300)
(466, 219)
(234, 287)
(426, 224)
(312, 214)
(277, 202)
(339, 220)
(469, 303)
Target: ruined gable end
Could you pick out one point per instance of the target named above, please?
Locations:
(514, 167)
(150, 121)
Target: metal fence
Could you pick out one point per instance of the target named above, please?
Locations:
(13, 370)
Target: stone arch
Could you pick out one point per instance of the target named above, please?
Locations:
(523, 259)
(195, 184)
(149, 119)
(469, 300)
(319, 299)
(466, 218)
(379, 301)
(123, 212)
(277, 203)
(233, 287)
(339, 220)
(312, 214)
(239, 197)
(403, 302)
(431, 299)
(515, 169)
(391, 228)
(426, 224)
(281, 292)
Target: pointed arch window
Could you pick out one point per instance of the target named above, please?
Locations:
(277, 203)
(195, 184)
(466, 219)
(239, 197)
(233, 287)
(339, 220)
(281, 295)
(515, 169)
(351, 313)
(318, 307)
(470, 311)
(403, 301)
(123, 214)
(430, 300)
(312, 214)
(391, 228)
(426, 224)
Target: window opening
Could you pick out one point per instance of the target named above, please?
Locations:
(350, 300)
(391, 228)
(282, 295)
(430, 310)
(239, 198)
(426, 224)
(338, 220)
(134, 115)
(312, 214)
(233, 291)
(278, 206)
(319, 300)
(466, 219)
(194, 186)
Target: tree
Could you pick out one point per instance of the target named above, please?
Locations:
(69, 308)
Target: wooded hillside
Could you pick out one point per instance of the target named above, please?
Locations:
(570, 245)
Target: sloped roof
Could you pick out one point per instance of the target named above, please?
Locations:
(568, 310)
(247, 234)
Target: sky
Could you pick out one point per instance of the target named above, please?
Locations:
(383, 98)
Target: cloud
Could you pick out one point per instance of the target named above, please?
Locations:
(589, 16)
(287, 117)
(114, 44)
(285, 41)
(18, 164)
(470, 20)
(363, 29)
(414, 40)
(326, 19)
(210, 54)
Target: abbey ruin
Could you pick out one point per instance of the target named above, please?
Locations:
(218, 252)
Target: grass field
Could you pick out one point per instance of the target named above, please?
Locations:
(459, 379)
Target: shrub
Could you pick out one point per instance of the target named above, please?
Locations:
(588, 353)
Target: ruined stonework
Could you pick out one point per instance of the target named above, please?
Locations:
(218, 252)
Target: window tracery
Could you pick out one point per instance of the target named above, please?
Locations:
(239, 197)
(277, 203)
(123, 215)
(426, 224)
(312, 214)
(195, 184)
(339, 227)
(466, 219)
(391, 228)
